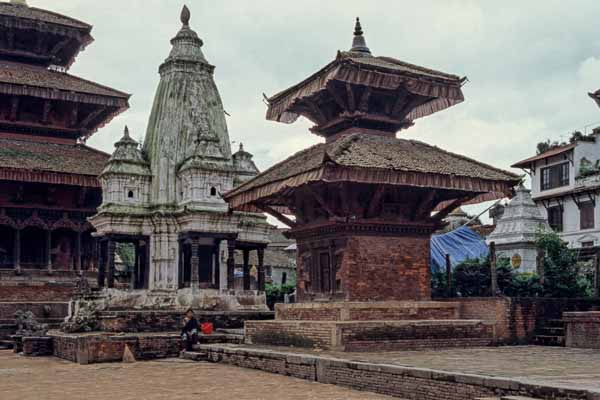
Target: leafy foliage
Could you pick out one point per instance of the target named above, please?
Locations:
(276, 293)
(562, 277)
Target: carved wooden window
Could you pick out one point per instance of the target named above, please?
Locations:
(555, 218)
(555, 176)
(586, 215)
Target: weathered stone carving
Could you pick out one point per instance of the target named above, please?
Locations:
(27, 326)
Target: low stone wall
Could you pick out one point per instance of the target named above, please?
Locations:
(403, 382)
(93, 348)
(371, 335)
(164, 321)
(367, 311)
(582, 329)
(37, 346)
(516, 320)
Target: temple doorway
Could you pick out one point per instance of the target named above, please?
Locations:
(33, 248)
(6, 247)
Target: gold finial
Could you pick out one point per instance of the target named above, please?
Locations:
(185, 16)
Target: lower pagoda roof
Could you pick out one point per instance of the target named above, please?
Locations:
(596, 97)
(371, 159)
(39, 81)
(53, 163)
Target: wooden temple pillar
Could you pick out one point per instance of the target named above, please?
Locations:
(231, 264)
(78, 251)
(195, 264)
(246, 269)
(261, 269)
(49, 250)
(17, 251)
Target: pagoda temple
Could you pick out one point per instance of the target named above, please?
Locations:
(165, 198)
(48, 177)
(363, 199)
(363, 204)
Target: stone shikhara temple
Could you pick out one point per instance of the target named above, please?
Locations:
(48, 177)
(363, 203)
(165, 198)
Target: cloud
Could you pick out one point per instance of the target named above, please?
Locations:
(530, 64)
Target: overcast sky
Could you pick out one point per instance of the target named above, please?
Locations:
(530, 63)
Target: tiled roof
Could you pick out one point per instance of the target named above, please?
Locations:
(550, 153)
(41, 77)
(49, 157)
(37, 14)
(376, 159)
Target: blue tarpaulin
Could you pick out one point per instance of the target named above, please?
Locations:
(461, 244)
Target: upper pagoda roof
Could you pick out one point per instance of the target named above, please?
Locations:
(398, 80)
(41, 36)
(365, 158)
(55, 163)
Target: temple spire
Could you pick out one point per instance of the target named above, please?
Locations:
(359, 44)
(185, 16)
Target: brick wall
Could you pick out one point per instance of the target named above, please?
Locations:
(98, 348)
(36, 292)
(161, 321)
(367, 311)
(402, 382)
(386, 268)
(583, 329)
(43, 310)
(37, 346)
(291, 333)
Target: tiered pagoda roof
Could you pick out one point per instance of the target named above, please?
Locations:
(372, 159)
(358, 103)
(45, 113)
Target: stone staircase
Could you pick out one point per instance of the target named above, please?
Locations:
(551, 333)
(232, 336)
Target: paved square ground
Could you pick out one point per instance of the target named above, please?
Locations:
(24, 378)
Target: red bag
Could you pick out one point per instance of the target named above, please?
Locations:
(207, 328)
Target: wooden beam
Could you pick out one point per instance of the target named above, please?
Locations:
(376, 200)
(425, 204)
(74, 115)
(443, 213)
(59, 46)
(350, 96)
(14, 108)
(316, 111)
(363, 105)
(46, 111)
(400, 100)
(336, 96)
(93, 115)
(277, 215)
(322, 202)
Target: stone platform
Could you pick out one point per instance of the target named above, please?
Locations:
(491, 373)
(371, 326)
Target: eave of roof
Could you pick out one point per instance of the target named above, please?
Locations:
(550, 153)
(365, 159)
(596, 97)
(41, 15)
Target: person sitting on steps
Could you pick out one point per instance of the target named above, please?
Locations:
(189, 331)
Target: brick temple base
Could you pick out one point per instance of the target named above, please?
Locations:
(371, 326)
(583, 329)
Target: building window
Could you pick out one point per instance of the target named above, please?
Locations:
(586, 215)
(555, 176)
(555, 218)
(587, 244)
(130, 194)
(283, 278)
(213, 191)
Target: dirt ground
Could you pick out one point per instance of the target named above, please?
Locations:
(24, 378)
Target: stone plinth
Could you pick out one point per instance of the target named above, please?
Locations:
(583, 329)
(90, 348)
(371, 326)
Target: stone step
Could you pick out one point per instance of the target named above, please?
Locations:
(239, 332)
(220, 338)
(550, 340)
(517, 398)
(194, 355)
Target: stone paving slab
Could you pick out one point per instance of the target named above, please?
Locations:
(24, 378)
(578, 368)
